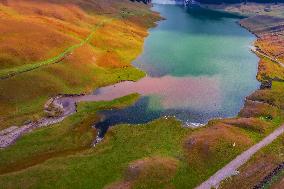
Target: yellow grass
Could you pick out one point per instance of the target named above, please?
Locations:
(38, 30)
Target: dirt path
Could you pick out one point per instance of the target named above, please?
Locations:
(10, 135)
(7, 73)
(266, 56)
(230, 169)
(68, 106)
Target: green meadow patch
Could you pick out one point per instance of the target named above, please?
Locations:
(92, 167)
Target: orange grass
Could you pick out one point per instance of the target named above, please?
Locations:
(37, 30)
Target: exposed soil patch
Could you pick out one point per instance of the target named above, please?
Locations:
(269, 177)
(251, 173)
(258, 109)
(159, 170)
(250, 123)
(38, 159)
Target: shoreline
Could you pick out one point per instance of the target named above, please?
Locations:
(72, 99)
(9, 135)
(201, 152)
(215, 180)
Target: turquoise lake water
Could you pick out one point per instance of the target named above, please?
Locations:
(199, 66)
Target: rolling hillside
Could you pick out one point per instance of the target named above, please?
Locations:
(50, 47)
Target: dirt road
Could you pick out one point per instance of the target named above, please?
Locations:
(230, 169)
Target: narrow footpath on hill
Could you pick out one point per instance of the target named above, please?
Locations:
(266, 56)
(231, 168)
(7, 73)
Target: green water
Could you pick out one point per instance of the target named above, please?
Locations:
(197, 42)
(199, 66)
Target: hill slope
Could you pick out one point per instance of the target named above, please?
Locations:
(49, 47)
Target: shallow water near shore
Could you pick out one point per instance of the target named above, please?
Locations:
(199, 66)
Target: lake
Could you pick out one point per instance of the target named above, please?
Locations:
(199, 66)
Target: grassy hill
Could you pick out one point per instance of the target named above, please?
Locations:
(49, 47)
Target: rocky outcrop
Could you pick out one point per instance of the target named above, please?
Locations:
(270, 176)
(10, 135)
(57, 109)
(144, 1)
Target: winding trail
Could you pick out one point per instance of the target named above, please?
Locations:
(68, 104)
(10, 135)
(7, 73)
(231, 168)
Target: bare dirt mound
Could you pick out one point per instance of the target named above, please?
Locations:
(148, 172)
